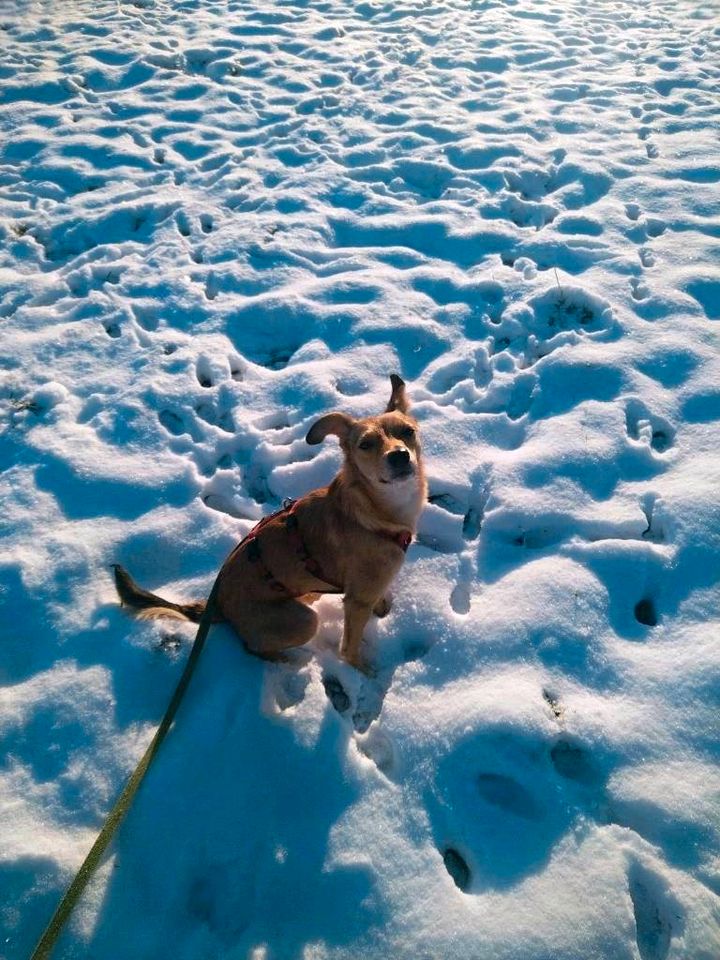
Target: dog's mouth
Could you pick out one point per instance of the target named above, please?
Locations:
(399, 475)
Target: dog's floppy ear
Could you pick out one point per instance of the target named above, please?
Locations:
(338, 423)
(398, 398)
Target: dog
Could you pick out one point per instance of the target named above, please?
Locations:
(349, 537)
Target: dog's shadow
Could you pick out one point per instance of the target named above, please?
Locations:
(227, 843)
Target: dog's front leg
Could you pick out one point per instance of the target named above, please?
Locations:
(357, 614)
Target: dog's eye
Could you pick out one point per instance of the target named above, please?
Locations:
(407, 433)
(365, 444)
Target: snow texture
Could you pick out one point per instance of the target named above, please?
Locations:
(220, 220)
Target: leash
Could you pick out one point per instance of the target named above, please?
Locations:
(113, 820)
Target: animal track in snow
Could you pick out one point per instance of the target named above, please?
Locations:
(706, 291)
(368, 703)
(211, 414)
(172, 422)
(648, 429)
(457, 867)
(364, 704)
(211, 286)
(377, 746)
(502, 791)
(183, 224)
(653, 926)
(558, 316)
(573, 762)
(112, 328)
(647, 257)
(460, 596)
(336, 693)
(415, 650)
(204, 372)
(472, 523)
(645, 612)
(654, 226)
(289, 686)
(639, 289)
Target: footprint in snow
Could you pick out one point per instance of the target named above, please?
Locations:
(368, 704)
(655, 530)
(647, 257)
(501, 791)
(377, 746)
(457, 867)
(336, 693)
(573, 762)
(638, 289)
(289, 686)
(644, 427)
(460, 596)
(183, 224)
(172, 422)
(368, 700)
(415, 650)
(646, 613)
(211, 286)
(204, 372)
(654, 915)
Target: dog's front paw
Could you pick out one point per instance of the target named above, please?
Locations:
(382, 607)
(360, 663)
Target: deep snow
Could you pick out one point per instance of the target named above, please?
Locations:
(220, 220)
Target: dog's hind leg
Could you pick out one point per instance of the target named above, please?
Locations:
(267, 629)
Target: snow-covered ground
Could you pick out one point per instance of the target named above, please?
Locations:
(222, 219)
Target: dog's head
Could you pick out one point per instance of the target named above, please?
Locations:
(385, 449)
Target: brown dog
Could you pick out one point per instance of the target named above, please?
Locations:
(349, 537)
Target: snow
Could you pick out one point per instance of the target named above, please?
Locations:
(220, 221)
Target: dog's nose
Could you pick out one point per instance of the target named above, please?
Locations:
(399, 459)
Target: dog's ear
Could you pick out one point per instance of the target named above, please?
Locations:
(338, 423)
(398, 398)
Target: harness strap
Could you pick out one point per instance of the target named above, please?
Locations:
(254, 553)
(313, 566)
(402, 539)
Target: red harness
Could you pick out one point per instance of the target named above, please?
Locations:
(403, 539)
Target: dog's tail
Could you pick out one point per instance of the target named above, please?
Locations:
(149, 605)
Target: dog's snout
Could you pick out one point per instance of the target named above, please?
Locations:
(399, 459)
